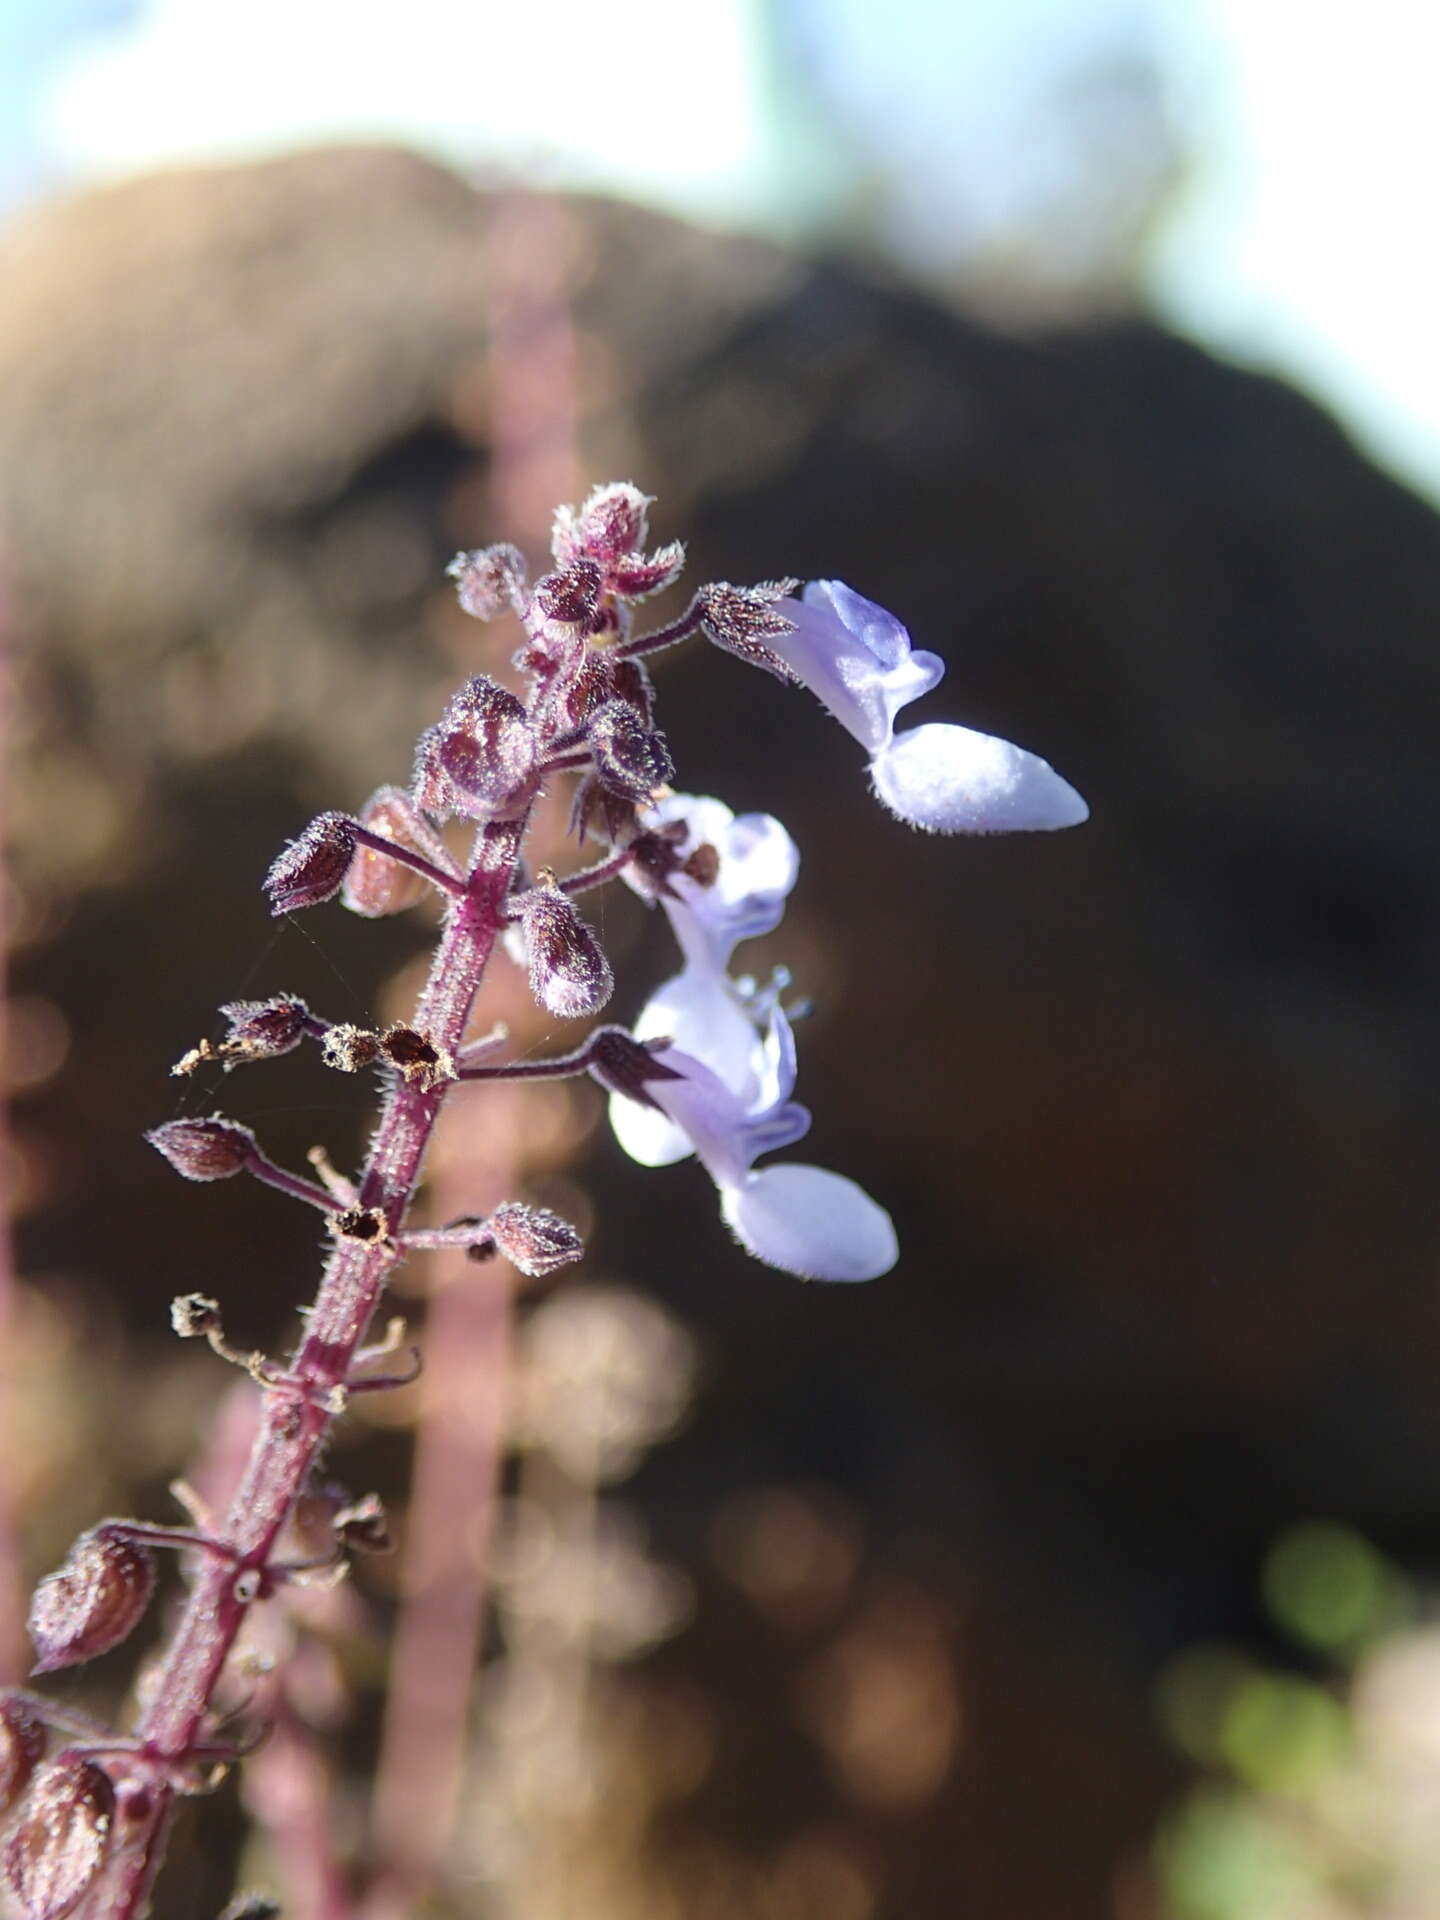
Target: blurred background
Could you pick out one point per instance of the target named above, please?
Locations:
(1086, 1565)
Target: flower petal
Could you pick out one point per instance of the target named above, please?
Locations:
(809, 1221)
(757, 868)
(954, 780)
(700, 1014)
(855, 658)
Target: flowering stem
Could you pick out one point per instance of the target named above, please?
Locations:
(296, 1414)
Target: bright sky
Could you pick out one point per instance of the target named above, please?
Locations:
(1302, 243)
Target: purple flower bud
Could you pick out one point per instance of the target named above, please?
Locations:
(631, 758)
(569, 974)
(375, 886)
(600, 678)
(212, 1149)
(611, 529)
(488, 579)
(261, 1029)
(742, 619)
(534, 1239)
(640, 575)
(484, 751)
(610, 525)
(565, 606)
(312, 868)
(93, 1602)
(22, 1742)
(54, 1855)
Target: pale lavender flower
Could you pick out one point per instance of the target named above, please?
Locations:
(709, 1016)
(857, 660)
(805, 1220)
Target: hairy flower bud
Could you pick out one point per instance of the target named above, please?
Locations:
(742, 619)
(488, 579)
(261, 1029)
(93, 1602)
(630, 758)
(611, 530)
(565, 606)
(568, 972)
(212, 1149)
(22, 1742)
(639, 575)
(611, 524)
(313, 867)
(56, 1851)
(534, 1239)
(485, 749)
(375, 886)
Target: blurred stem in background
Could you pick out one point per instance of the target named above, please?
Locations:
(14, 1648)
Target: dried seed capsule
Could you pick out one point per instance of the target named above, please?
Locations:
(375, 886)
(534, 1239)
(212, 1149)
(363, 1527)
(631, 758)
(194, 1314)
(93, 1602)
(569, 974)
(350, 1049)
(262, 1029)
(313, 867)
(56, 1851)
(22, 1742)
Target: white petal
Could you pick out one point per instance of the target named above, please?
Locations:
(811, 1222)
(700, 1014)
(953, 780)
(647, 1136)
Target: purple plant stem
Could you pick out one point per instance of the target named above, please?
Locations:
(295, 1419)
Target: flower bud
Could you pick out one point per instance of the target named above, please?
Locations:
(313, 867)
(375, 886)
(485, 749)
(639, 575)
(742, 619)
(488, 579)
(611, 524)
(565, 606)
(56, 1851)
(22, 1742)
(212, 1149)
(534, 1239)
(93, 1602)
(261, 1029)
(631, 758)
(569, 974)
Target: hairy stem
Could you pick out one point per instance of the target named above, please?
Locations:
(296, 1414)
